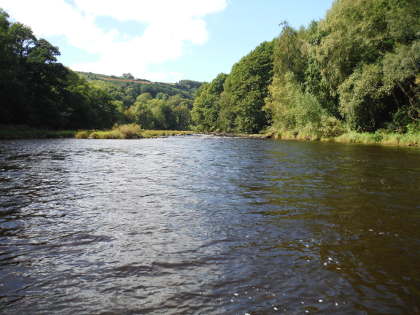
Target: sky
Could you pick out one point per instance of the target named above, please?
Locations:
(160, 40)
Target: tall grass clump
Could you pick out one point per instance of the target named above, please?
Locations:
(82, 134)
(381, 137)
(127, 131)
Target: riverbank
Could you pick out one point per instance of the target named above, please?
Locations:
(118, 132)
(241, 135)
(132, 131)
(143, 134)
(377, 138)
(24, 132)
(129, 131)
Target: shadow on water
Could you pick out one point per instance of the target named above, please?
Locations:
(209, 226)
(351, 216)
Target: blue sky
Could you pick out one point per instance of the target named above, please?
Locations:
(162, 40)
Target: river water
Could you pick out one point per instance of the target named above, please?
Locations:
(207, 225)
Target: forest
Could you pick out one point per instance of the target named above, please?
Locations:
(356, 70)
(39, 92)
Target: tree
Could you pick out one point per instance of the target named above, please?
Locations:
(354, 59)
(206, 107)
(245, 90)
(128, 76)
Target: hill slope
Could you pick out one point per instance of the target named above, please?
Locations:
(185, 88)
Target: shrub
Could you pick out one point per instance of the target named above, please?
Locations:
(331, 127)
(82, 134)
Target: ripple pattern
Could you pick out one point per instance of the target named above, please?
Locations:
(208, 225)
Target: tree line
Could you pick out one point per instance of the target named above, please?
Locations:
(37, 91)
(357, 69)
(154, 105)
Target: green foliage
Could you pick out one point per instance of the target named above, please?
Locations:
(369, 58)
(188, 85)
(380, 137)
(127, 131)
(128, 76)
(357, 69)
(361, 98)
(299, 111)
(39, 92)
(360, 64)
(207, 104)
(375, 94)
(165, 112)
(152, 105)
(127, 88)
(289, 53)
(245, 89)
(25, 132)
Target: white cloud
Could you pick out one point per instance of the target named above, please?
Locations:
(169, 24)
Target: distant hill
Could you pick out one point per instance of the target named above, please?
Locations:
(185, 88)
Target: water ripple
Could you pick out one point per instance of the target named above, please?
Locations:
(208, 225)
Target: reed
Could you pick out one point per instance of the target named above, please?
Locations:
(128, 131)
(379, 137)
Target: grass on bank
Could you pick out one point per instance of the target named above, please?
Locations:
(128, 131)
(379, 137)
(133, 131)
(24, 132)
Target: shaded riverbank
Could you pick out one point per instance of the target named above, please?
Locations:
(129, 131)
(8, 132)
(132, 131)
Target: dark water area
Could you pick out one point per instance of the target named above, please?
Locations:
(206, 225)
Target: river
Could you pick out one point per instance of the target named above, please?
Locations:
(208, 225)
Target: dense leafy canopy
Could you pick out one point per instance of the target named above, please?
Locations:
(357, 69)
(369, 57)
(38, 91)
(152, 105)
(207, 106)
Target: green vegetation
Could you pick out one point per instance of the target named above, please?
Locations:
(39, 92)
(8, 132)
(130, 87)
(128, 131)
(233, 103)
(353, 76)
(378, 137)
(154, 105)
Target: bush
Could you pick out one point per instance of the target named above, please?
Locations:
(331, 127)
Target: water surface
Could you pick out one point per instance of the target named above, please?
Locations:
(206, 225)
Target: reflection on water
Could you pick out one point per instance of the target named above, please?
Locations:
(202, 225)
